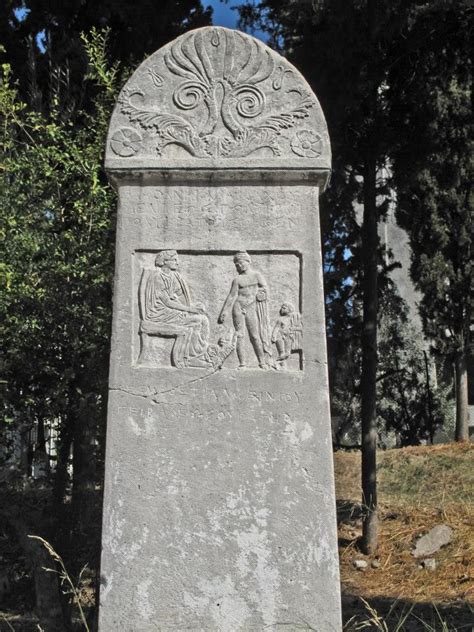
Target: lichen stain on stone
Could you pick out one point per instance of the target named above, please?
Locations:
(148, 430)
(113, 531)
(319, 552)
(220, 600)
(134, 427)
(177, 486)
(254, 564)
(297, 431)
(114, 537)
(144, 607)
(307, 432)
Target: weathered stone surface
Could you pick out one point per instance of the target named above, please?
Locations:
(436, 538)
(219, 509)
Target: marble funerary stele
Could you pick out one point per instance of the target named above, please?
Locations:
(219, 504)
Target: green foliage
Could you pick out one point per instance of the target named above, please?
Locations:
(411, 403)
(136, 29)
(56, 223)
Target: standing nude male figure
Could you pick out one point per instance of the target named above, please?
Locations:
(248, 301)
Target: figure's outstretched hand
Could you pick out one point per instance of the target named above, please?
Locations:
(221, 318)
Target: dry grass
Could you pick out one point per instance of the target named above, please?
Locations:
(418, 489)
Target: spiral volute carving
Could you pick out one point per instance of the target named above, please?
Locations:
(189, 95)
(250, 101)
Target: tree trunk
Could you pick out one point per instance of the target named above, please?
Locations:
(40, 457)
(84, 462)
(430, 405)
(370, 302)
(62, 462)
(369, 361)
(462, 410)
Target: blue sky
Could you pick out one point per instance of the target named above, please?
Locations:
(20, 13)
(224, 14)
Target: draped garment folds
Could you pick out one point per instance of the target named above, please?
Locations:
(264, 324)
(161, 317)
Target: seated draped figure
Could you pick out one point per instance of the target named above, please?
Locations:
(166, 310)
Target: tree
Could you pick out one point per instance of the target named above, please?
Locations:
(57, 228)
(431, 96)
(357, 55)
(46, 36)
(342, 49)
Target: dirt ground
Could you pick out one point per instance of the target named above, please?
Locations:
(418, 488)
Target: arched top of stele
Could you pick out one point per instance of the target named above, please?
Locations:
(218, 100)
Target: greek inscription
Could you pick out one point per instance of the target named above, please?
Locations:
(195, 210)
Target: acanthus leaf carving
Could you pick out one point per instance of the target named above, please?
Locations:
(171, 128)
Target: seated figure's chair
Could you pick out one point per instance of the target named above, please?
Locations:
(153, 352)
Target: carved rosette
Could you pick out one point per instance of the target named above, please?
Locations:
(307, 143)
(215, 94)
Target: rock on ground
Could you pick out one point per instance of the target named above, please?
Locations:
(430, 543)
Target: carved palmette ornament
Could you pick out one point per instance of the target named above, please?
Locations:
(217, 93)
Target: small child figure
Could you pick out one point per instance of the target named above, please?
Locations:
(287, 333)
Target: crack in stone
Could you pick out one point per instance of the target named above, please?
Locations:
(187, 383)
(156, 394)
(128, 392)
